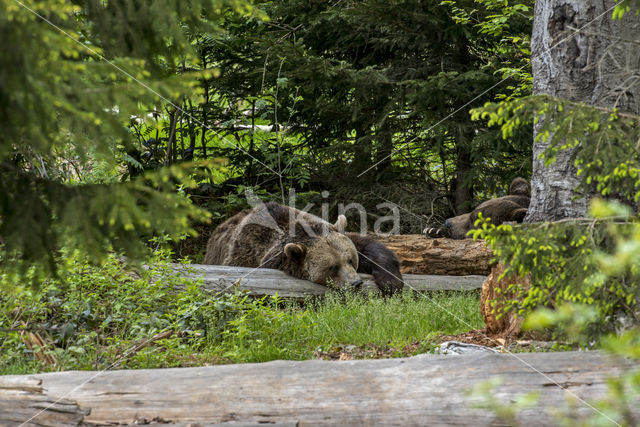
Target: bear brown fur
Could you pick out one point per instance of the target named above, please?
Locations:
(378, 260)
(283, 238)
(303, 246)
(502, 209)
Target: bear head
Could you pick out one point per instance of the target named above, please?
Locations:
(519, 187)
(318, 253)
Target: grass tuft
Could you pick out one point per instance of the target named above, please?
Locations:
(96, 317)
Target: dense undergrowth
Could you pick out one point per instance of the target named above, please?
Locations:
(117, 316)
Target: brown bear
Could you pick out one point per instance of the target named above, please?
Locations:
(378, 260)
(298, 243)
(508, 208)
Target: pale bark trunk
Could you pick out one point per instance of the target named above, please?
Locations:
(598, 66)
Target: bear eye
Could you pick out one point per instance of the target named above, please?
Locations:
(334, 270)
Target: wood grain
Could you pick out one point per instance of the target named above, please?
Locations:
(263, 281)
(419, 254)
(23, 402)
(421, 390)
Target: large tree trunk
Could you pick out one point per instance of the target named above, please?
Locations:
(598, 66)
(362, 150)
(463, 181)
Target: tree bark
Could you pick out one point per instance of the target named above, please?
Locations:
(463, 181)
(597, 66)
(24, 402)
(173, 121)
(384, 137)
(420, 254)
(495, 293)
(362, 148)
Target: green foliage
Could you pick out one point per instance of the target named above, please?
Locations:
(70, 87)
(572, 261)
(607, 155)
(89, 315)
(584, 274)
(349, 84)
(90, 217)
(623, 390)
(589, 261)
(122, 316)
(625, 6)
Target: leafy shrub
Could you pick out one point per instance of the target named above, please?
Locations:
(573, 262)
(118, 315)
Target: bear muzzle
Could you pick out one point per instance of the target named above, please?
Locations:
(348, 278)
(357, 285)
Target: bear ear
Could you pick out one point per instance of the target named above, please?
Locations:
(340, 224)
(295, 251)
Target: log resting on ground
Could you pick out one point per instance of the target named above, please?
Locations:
(421, 390)
(264, 281)
(420, 254)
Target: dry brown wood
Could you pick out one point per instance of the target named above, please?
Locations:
(421, 390)
(23, 403)
(263, 281)
(496, 292)
(38, 345)
(420, 254)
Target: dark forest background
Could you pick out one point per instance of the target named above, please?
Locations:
(368, 100)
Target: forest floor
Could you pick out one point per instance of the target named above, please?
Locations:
(94, 317)
(118, 317)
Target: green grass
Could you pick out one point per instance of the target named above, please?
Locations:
(92, 316)
(296, 333)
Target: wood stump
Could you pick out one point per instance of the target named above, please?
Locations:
(420, 254)
(495, 293)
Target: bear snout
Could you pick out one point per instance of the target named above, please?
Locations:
(357, 285)
(348, 277)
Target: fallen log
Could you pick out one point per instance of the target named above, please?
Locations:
(420, 390)
(264, 281)
(24, 403)
(420, 254)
